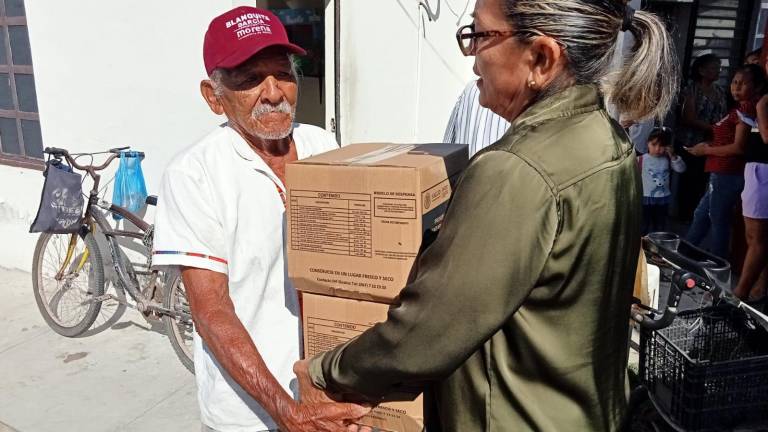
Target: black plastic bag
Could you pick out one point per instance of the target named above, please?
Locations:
(61, 204)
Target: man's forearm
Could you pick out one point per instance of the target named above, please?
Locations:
(217, 324)
(233, 348)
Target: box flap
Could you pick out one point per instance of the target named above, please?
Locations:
(394, 155)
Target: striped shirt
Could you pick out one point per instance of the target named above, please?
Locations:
(472, 124)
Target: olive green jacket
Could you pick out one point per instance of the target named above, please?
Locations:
(518, 317)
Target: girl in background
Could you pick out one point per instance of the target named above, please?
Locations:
(656, 167)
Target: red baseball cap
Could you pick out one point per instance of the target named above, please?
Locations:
(237, 35)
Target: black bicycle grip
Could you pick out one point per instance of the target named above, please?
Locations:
(54, 151)
(670, 313)
(680, 281)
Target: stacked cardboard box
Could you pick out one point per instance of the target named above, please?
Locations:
(356, 220)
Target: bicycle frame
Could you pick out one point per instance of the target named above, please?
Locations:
(94, 217)
(70, 251)
(93, 213)
(91, 216)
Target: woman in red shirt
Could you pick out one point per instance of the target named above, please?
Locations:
(725, 162)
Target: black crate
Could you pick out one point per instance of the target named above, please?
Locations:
(708, 371)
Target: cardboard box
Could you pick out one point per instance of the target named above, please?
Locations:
(356, 215)
(330, 321)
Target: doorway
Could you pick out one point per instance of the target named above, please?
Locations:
(304, 21)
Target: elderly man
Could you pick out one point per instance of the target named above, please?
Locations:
(221, 220)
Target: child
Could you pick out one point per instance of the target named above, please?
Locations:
(655, 166)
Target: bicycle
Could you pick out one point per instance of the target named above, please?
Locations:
(699, 370)
(68, 271)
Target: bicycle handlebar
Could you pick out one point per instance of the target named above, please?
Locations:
(691, 268)
(91, 169)
(680, 281)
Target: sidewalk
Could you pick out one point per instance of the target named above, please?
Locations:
(122, 377)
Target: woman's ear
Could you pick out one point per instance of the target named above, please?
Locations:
(549, 61)
(209, 94)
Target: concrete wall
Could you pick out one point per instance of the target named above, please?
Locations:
(401, 69)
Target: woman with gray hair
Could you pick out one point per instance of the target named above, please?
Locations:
(517, 317)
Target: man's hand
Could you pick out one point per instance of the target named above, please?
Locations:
(322, 417)
(700, 149)
(322, 408)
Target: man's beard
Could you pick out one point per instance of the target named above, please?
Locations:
(264, 108)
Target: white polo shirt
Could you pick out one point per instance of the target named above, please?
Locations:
(220, 209)
(473, 124)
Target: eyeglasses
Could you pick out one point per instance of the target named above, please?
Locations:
(467, 37)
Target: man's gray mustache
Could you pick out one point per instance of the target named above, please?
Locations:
(283, 107)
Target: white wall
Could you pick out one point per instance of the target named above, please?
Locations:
(400, 72)
(109, 74)
(19, 194)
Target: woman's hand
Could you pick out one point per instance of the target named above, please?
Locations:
(700, 149)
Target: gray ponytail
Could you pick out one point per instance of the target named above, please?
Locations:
(647, 82)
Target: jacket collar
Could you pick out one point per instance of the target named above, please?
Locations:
(574, 100)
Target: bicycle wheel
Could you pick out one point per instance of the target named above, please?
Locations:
(179, 329)
(66, 302)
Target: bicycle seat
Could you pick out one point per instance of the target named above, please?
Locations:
(151, 200)
(686, 256)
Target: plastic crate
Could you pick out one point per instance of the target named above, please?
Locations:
(707, 371)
